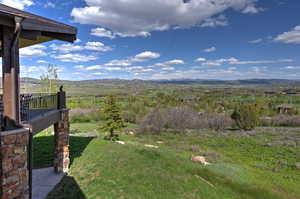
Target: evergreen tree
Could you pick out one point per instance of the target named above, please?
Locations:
(113, 120)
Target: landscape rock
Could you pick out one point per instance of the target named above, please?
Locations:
(199, 159)
(120, 142)
(127, 132)
(268, 144)
(282, 163)
(159, 142)
(297, 164)
(151, 146)
(291, 143)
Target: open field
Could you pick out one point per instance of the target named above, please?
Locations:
(256, 164)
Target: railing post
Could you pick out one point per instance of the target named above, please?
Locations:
(61, 98)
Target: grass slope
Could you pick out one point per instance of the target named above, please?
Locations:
(243, 168)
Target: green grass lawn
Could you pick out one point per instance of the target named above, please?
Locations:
(242, 167)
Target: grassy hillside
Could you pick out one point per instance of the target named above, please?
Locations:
(259, 164)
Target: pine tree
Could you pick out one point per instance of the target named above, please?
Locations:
(113, 120)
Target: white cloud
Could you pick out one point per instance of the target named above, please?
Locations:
(200, 59)
(256, 41)
(141, 57)
(174, 61)
(291, 67)
(292, 36)
(102, 67)
(98, 73)
(36, 50)
(32, 69)
(227, 73)
(235, 61)
(146, 56)
(94, 46)
(217, 21)
(77, 41)
(168, 68)
(49, 5)
(79, 67)
(97, 46)
(252, 9)
(209, 50)
(19, 4)
(75, 57)
(41, 61)
(260, 69)
(66, 47)
(139, 18)
(260, 61)
(102, 32)
(124, 62)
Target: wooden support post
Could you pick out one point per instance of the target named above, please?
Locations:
(10, 78)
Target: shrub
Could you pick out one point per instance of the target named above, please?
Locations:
(79, 118)
(246, 116)
(217, 122)
(129, 116)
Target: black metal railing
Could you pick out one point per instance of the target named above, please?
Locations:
(32, 105)
(35, 104)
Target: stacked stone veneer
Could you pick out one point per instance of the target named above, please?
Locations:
(13, 164)
(61, 159)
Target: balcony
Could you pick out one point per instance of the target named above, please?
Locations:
(38, 110)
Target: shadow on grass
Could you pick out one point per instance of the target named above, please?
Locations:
(67, 189)
(43, 149)
(247, 191)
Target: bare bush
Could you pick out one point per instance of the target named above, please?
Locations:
(266, 121)
(217, 122)
(181, 118)
(153, 122)
(286, 120)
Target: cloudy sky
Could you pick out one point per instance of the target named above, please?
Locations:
(169, 39)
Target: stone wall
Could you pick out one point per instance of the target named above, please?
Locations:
(61, 129)
(13, 164)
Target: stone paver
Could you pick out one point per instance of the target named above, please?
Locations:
(43, 181)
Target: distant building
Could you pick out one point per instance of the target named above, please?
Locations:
(284, 109)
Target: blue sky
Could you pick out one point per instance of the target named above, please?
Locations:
(170, 39)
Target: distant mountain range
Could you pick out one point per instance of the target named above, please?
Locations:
(177, 81)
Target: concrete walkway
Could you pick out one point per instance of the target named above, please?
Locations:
(43, 181)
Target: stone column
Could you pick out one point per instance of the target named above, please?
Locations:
(14, 175)
(61, 129)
